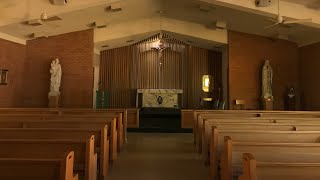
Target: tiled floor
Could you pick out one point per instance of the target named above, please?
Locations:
(158, 157)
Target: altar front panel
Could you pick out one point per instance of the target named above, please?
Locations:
(160, 98)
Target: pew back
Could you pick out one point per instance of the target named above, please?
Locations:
(84, 156)
(265, 152)
(253, 170)
(38, 169)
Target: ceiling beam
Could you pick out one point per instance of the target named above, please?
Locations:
(12, 39)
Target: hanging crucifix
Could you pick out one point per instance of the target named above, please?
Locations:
(160, 48)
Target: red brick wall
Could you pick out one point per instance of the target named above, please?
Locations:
(246, 57)
(309, 76)
(75, 51)
(12, 57)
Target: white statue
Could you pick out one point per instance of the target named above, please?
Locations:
(267, 81)
(55, 79)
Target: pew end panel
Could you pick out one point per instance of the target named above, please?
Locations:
(249, 167)
(67, 168)
(213, 154)
(113, 140)
(104, 153)
(226, 159)
(91, 160)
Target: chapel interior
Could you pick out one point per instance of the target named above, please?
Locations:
(159, 89)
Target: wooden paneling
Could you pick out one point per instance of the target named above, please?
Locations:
(201, 62)
(116, 68)
(309, 76)
(123, 71)
(133, 118)
(187, 118)
(152, 75)
(247, 54)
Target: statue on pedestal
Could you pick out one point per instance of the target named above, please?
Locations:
(267, 75)
(267, 97)
(55, 81)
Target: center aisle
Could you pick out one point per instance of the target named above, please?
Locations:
(159, 157)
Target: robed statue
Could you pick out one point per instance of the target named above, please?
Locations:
(267, 74)
(55, 79)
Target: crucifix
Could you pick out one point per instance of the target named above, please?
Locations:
(160, 48)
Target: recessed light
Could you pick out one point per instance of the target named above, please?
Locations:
(190, 41)
(130, 41)
(105, 46)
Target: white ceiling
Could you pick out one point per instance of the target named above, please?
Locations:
(77, 15)
(305, 2)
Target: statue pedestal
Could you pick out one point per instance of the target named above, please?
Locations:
(53, 101)
(267, 104)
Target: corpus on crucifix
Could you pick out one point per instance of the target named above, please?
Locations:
(160, 47)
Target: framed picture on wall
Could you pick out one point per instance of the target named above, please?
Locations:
(3, 76)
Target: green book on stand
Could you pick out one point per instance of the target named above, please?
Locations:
(103, 100)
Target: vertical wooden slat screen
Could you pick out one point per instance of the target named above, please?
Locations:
(201, 62)
(148, 70)
(124, 70)
(115, 74)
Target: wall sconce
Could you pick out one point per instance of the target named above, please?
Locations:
(207, 83)
(3, 76)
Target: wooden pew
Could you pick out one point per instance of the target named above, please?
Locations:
(253, 170)
(265, 152)
(69, 124)
(207, 132)
(38, 169)
(107, 118)
(201, 128)
(68, 111)
(123, 123)
(101, 142)
(19, 121)
(288, 121)
(216, 113)
(79, 124)
(85, 160)
(305, 125)
(198, 114)
(218, 140)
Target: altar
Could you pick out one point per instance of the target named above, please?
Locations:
(159, 98)
(159, 109)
